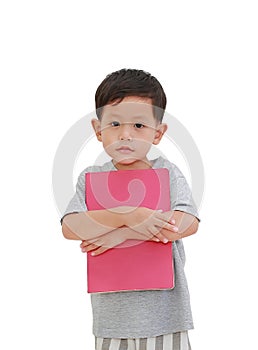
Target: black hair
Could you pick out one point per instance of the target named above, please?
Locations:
(130, 82)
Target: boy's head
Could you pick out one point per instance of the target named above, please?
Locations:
(130, 106)
(131, 82)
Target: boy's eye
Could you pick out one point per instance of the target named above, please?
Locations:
(138, 125)
(115, 124)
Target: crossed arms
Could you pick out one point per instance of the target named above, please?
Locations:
(101, 230)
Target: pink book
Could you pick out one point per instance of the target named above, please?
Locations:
(133, 265)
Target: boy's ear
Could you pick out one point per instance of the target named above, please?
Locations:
(160, 131)
(96, 126)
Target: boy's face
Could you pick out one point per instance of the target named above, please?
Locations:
(127, 131)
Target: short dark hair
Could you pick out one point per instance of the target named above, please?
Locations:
(130, 82)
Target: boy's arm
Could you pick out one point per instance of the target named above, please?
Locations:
(92, 224)
(112, 239)
(187, 225)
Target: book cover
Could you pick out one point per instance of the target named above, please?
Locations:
(134, 264)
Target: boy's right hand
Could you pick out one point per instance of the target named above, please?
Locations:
(150, 222)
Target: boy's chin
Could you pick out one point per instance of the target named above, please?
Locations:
(127, 161)
(131, 163)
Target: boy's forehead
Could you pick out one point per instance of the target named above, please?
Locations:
(132, 106)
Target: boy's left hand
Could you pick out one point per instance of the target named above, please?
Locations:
(102, 243)
(112, 239)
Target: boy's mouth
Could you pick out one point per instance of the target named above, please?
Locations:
(125, 149)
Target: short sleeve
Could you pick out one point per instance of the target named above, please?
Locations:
(181, 195)
(77, 203)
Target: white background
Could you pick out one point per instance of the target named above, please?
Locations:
(53, 56)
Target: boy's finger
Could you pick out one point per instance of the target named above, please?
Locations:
(99, 251)
(162, 238)
(170, 227)
(156, 233)
(167, 218)
(90, 248)
(85, 243)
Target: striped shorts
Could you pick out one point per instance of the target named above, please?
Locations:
(175, 341)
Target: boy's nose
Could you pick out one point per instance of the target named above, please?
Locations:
(125, 132)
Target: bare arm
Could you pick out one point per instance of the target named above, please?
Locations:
(112, 239)
(187, 225)
(92, 224)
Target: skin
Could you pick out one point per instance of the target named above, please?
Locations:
(129, 124)
(127, 130)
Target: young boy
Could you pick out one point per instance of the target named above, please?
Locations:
(130, 105)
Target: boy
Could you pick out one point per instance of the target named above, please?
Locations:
(130, 105)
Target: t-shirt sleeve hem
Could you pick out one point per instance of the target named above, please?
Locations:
(72, 212)
(187, 211)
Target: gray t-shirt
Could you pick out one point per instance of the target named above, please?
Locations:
(140, 314)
